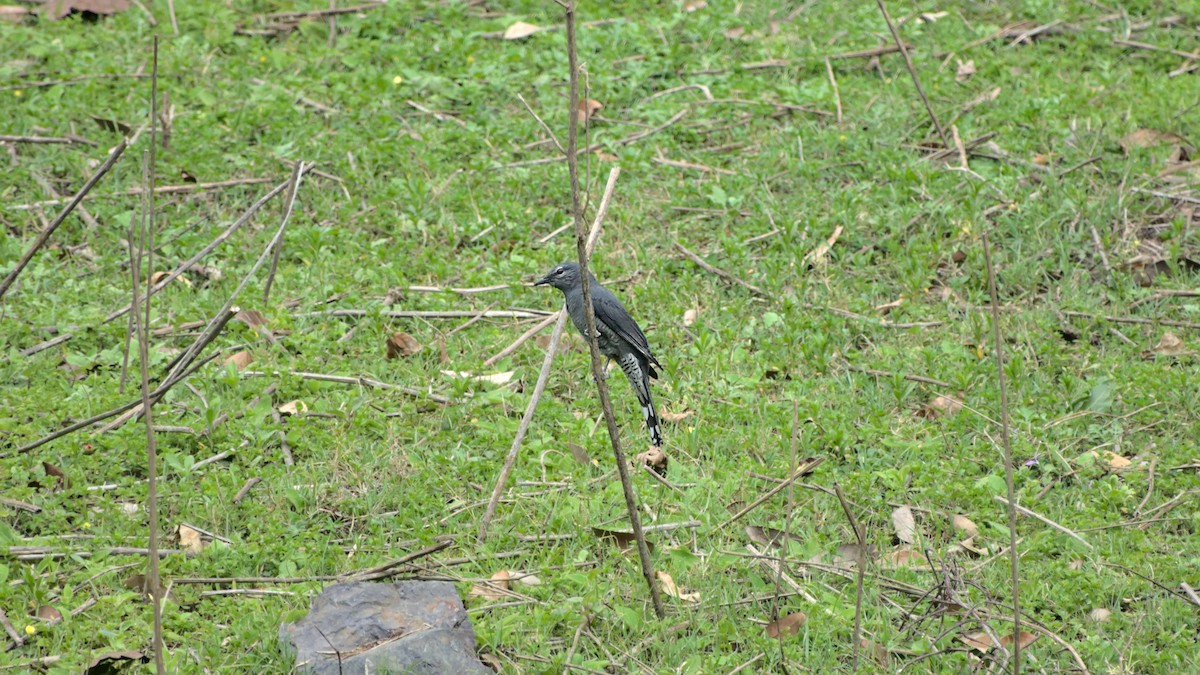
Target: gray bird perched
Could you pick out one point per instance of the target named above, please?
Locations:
(619, 338)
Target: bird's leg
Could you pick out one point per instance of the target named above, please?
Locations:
(604, 370)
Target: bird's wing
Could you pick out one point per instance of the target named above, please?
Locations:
(614, 315)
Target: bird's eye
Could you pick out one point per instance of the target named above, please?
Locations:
(558, 271)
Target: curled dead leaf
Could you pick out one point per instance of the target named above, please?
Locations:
(966, 70)
(847, 555)
(190, 539)
(402, 344)
(1168, 345)
(1148, 138)
(904, 557)
(654, 458)
(674, 417)
(670, 588)
(524, 579)
(494, 589)
(964, 525)
(112, 662)
(586, 109)
(690, 316)
(940, 406)
(905, 524)
(624, 540)
(49, 614)
(981, 641)
(159, 276)
(694, 5)
(579, 453)
(786, 625)
(296, 407)
(1100, 615)
(520, 30)
(240, 360)
(251, 317)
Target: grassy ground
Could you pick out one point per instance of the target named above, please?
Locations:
(424, 199)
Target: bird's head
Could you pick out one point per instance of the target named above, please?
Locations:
(562, 277)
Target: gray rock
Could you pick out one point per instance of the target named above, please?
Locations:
(410, 627)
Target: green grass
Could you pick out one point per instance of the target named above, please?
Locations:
(378, 474)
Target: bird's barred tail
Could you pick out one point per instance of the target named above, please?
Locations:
(639, 378)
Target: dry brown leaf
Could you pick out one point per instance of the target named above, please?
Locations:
(669, 587)
(966, 70)
(847, 554)
(1148, 138)
(492, 591)
(402, 344)
(524, 579)
(520, 30)
(624, 540)
(1168, 345)
(1115, 461)
(981, 641)
(1075, 565)
(296, 407)
(60, 476)
(251, 317)
(904, 557)
(190, 539)
(113, 662)
(905, 524)
(654, 458)
(57, 9)
(690, 316)
(240, 360)
(586, 109)
(735, 33)
(49, 614)
(674, 417)
(786, 625)
(969, 546)
(1100, 615)
(579, 453)
(159, 276)
(443, 354)
(820, 254)
(940, 406)
(694, 5)
(965, 525)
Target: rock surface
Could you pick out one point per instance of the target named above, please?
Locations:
(412, 627)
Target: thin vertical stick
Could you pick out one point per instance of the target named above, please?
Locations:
(293, 188)
(135, 263)
(913, 72)
(146, 246)
(861, 563)
(837, 97)
(590, 314)
(551, 351)
(1013, 555)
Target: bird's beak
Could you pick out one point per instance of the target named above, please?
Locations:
(543, 281)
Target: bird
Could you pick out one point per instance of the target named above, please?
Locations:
(619, 336)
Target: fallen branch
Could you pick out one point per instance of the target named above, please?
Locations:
(913, 72)
(722, 273)
(62, 216)
(136, 192)
(362, 381)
